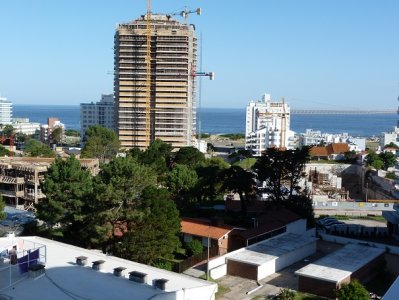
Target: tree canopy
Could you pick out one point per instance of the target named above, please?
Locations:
(8, 130)
(35, 148)
(384, 160)
(101, 143)
(352, 290)
(66, 186)
(2, 206)
(189, 156)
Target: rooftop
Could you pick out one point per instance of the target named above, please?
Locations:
(64, 277)
(268, 250)
(341, 263)
(204, 229)
(393, 292)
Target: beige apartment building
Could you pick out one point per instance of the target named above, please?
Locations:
(167, 110)
(20, 178)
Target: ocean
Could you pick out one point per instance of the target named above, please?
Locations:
(232, 120)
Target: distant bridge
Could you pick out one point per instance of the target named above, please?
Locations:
(341, 112)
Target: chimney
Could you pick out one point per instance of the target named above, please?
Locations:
(98, 265)
(119, 271)
(160, 283)
(138, 277)
(81, 260)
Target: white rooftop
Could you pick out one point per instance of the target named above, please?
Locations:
(268, 250)
(64, 278)
(341, 263)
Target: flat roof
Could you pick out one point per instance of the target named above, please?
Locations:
(64, 277)
(268, 250)
(341, 263)
(393, 292)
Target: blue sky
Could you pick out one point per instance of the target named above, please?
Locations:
(317, 54)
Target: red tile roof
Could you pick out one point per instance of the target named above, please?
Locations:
(204, 228)
(337, 148)
(318, 151)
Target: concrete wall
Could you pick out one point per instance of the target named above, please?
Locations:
(294, 256)
(267, 269)
(218, 272)
(297, 227)
(316, 286)
(344, 240)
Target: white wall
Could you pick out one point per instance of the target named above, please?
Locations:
(297, 227)
(218, 272)
(267, 269)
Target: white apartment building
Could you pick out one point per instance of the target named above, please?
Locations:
(5, 111)
(99, 113)
(22, 125)
(268, 125)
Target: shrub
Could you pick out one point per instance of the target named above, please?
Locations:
(194, 247)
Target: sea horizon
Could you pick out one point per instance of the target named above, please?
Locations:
(232, 120)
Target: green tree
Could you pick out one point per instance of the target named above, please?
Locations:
(237, 180)
(180, 182)
(2, 206)
(118, 192)
(352, 290)
(56, 135)
(4, 151)
(66, 186)
(390, 175)
(72, 132)
(157, 155)
(388, 159)
(8, 130)
(209, 179)
(194, 247)
(156, 234)
(391, 145)
(282, 171)
(189, 156)
(101, 143)
(35, 148)
(286, 294)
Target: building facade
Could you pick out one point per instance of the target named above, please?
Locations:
(268, 125)
(155, 89)
(22, 125)
(99, 113)
(5, 111)
(46, 131)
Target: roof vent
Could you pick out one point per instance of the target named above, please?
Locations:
(160, 283)
(36, 271)
(138, 277)
(119, 271)
(81, 260)
(98, 265)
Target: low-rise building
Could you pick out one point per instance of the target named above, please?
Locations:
(210, 235)
(20, 178)
(22, 125)
(39, 268)
(46, 131)
(327, 274)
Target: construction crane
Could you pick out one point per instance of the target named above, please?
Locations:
(184, 13)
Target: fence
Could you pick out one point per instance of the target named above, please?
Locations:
(180, 267)
(14, 265)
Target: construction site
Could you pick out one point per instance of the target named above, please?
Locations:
(155, 60)
(20, 179)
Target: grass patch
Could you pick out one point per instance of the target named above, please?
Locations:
(306, 296)
(233, 136)
(221, 289)
(246, 163)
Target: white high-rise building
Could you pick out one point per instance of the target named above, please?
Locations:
(100, 113)
(268, 125)
(5, 111)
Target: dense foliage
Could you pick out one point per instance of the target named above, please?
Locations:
(384, 160)
(352, 290)
(35, 148)
(2, 205)
(101, 143)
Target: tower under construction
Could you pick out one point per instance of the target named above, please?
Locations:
(154, 84)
